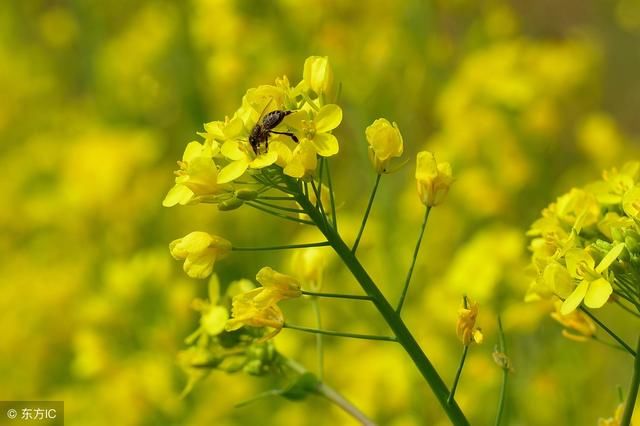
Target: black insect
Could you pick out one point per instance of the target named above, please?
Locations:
(263, 128)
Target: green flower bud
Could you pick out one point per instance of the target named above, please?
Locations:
(246, 194)
(632, 244)
(230, 204)
(255, 367)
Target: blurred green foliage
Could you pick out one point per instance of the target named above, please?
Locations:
(525, 99)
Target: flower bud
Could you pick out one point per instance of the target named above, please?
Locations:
(433, 179)
(632, 244)
(318, 75)
(246, 194)
(385, 142)
(199, 251)
(277, 286)
(466, 326)
(230, 204)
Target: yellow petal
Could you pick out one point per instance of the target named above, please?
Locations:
(598, 293)
(179, 194)
(575, 257)
(200, 265)
(296, 119)
(610, 258)
(231, 149)
(328, 118)
(283, 151)
(193, 150)
(232, 171)
(264, 160)
(325, 144)
(573, 301)
(214, 289)
(214, 320)
(631, 202)
(558, 279)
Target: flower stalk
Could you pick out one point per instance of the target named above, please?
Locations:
(390, 315)
(366, 214)
(339, 333)
(609, 332)
(633, 390)
(405, 288)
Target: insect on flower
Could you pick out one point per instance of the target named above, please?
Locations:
(264, 127)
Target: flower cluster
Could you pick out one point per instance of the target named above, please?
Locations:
(283, 125)
(586, 245)
(272, 155)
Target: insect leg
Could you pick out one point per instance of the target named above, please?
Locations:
(291, 135)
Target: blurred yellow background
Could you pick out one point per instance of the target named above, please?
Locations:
(98, 100)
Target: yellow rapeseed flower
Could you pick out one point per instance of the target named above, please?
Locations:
(433, 179)
(197, 176)
(200, 251)
(299, 161)
(258, 307)
(466, 329)
(593, 286)
(316, 127)
(385, 142)
(318, 75)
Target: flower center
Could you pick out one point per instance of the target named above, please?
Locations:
(308, 129)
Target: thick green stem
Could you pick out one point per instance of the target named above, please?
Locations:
(403, 295)
(632, 395)
(402, 333)
(339, 333)
(366, 214)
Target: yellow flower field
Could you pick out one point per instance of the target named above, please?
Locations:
(399, 213)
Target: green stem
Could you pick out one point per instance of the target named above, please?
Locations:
(402, 333)
(333, 396)
(336, 295)
(632, 395)
(312, 104)
(366, 214)
(331, 195)
(319, 347)
(285, 247)
(280, 215)
(505, 373)
(277, 207)
(626, 308)
(319, 207)
(276, 198)
(340, 334)
(609, 332)
(413, 261)
(456, 380)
